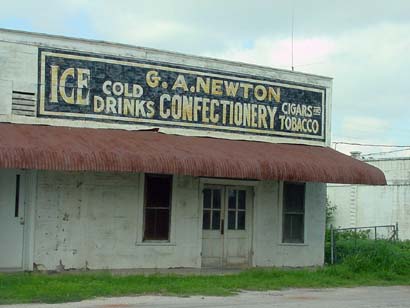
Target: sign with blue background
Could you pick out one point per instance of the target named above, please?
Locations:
(104, 88)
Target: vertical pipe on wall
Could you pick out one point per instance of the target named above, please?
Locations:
(331, 245)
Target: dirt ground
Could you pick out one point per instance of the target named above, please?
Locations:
(373, 297)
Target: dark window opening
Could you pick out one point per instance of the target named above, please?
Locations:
(17, 198)
(293, 212)
(157, 207)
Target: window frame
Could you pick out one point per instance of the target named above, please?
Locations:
(145, 183)
(236, 209)
(212, 209)
(285, 212)
(224, 215)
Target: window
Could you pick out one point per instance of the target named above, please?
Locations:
(293, 212)
(212, 209)
(236, 209)
(157, 207)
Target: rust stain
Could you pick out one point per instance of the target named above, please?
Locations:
(106, 150)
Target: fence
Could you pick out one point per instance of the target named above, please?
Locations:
(358, 234)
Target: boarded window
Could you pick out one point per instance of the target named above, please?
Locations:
(293, 212)
(157, 207)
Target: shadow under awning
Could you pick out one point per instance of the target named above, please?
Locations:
(40, 147)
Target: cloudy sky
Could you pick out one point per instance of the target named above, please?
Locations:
(364, 45)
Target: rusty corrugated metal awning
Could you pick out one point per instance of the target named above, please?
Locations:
(85, 149)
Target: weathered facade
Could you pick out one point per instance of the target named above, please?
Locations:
(105, 163)
(364, 205)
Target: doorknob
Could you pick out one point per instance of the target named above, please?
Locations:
(21, 220)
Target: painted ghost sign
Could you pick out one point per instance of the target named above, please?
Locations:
(152, 94)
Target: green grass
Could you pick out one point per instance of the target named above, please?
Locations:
(23, 288)
(381, 264)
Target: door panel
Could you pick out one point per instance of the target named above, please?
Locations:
(11, 220)
(237, 236)
(212, 239)
(226, 226)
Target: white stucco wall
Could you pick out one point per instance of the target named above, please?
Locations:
(18, 66)
(95, 220)
(362, 205)
(268, 248)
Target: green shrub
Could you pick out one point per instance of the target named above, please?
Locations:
(346, 243)
(363, 255)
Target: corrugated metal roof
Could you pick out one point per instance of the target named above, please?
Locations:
(85, 149)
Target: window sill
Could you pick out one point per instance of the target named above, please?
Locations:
(155, 243)
(293, 244)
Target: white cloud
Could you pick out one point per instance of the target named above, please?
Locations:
(278, 53)
(371, 71)
(363, 126)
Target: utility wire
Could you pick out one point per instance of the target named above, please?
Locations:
(388, 152)
(371, 145)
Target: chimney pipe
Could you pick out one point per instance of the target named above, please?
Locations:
(356, 154)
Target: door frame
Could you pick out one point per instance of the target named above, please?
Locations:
(27, 203)
(234, 184)
(30, 178)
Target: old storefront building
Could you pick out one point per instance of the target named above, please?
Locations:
(115, 156)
